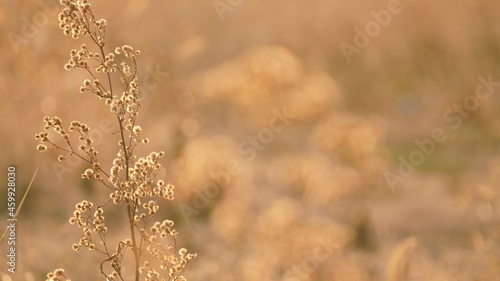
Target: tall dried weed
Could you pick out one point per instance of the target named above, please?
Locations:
(132, 181)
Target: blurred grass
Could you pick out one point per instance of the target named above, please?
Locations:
(221, 88)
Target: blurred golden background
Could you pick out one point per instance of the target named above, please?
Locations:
(286, 153)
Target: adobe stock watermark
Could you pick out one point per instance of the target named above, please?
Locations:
(150, 81)
(247, 149)
(303, 270)
(454, 117)
(223, 6)
(31, 25)
(372, 29)
(12, 207)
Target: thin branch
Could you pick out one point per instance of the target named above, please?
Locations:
(22, 200)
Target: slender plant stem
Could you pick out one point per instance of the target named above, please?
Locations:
(130, 208)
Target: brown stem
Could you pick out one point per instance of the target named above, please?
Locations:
(130, 208)
(134, 243)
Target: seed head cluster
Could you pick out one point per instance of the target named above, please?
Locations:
(77, 19)
(132, 181)
(57, 275)
(90, 224)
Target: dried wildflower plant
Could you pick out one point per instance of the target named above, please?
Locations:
(132, 181)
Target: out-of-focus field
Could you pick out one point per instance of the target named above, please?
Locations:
(303, 197)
